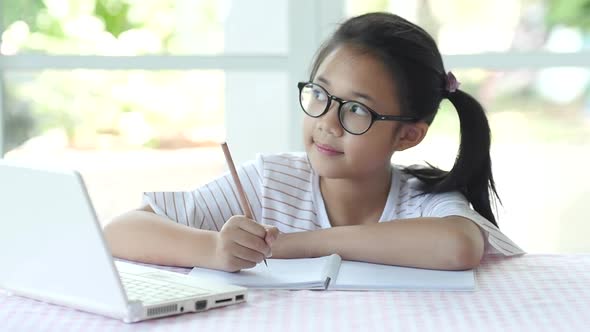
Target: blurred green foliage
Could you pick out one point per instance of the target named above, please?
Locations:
(141, 107)
(155, 105)
(574, 13)
(114, 13)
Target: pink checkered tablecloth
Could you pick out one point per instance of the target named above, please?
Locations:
(529, 293)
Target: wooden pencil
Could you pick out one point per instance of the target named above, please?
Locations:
(241, 194)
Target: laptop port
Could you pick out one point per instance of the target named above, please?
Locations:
(239, 297)
(201, 305)
(223, 301)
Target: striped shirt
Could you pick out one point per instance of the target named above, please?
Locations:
(283, 191)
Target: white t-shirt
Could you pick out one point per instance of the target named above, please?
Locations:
(283, 191)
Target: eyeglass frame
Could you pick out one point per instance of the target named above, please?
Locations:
(374, 115)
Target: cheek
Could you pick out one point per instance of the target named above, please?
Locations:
(370, 151)
(308, 124)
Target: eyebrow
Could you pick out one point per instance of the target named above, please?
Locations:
(356, 93)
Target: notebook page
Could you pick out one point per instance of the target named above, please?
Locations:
(303, 273)
(367, 276)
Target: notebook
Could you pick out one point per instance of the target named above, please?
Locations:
(333, 273)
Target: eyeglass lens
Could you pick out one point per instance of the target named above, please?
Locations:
(354, 117)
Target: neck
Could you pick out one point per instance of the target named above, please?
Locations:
(356, 201)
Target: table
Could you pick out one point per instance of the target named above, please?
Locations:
(535, 292)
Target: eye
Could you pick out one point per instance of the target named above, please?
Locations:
(318, 94)
(359, 110)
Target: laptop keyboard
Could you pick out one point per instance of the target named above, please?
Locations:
(154, 291)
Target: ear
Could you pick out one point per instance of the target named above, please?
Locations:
(410, 135)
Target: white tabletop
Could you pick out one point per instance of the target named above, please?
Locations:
(533, 292)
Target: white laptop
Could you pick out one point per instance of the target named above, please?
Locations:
(52, 249)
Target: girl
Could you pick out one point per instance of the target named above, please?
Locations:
(374, 89)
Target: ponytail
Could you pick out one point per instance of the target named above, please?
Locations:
(472, 172)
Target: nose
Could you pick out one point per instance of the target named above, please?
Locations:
(329, 121)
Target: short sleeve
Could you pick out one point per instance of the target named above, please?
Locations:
(211, 205)
(455, 204)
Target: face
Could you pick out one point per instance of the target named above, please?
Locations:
(334, 153)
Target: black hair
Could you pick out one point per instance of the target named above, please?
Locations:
(416, 66)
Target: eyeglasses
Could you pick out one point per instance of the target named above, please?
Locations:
(354, 117)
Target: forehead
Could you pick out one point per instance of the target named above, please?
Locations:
(349, 70)
(358, 67)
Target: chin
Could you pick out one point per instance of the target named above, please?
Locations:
(325, 169)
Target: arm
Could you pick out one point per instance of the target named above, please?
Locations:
(141, 235)
(450, 243)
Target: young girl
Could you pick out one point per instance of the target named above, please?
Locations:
(374, 89)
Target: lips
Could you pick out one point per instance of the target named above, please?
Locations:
(327, 149)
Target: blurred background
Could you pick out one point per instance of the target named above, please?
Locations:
(136, 94)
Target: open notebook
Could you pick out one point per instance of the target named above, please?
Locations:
(332, 273)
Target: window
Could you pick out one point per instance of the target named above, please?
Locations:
(141, 91)
(110, 86)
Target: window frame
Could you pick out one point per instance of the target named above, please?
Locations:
(302, 43)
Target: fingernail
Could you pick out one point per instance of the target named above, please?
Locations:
(269, 255)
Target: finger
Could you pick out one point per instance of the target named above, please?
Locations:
(252, 241)
(246, 254)
(237, 264)
(272, 233)
(251, 226)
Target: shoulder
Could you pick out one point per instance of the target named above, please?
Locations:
(263, 163)
(293, 165)
(285, 158)
(410, 187)
(415, 203)
(418, 203)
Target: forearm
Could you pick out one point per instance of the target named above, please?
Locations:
(451, 243)
(149, 238)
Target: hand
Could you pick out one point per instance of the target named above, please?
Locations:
(294, 245)
(242, 243)
(272, 234)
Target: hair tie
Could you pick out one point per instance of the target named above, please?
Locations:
(451, 83)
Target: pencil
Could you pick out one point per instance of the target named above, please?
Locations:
(241, 194)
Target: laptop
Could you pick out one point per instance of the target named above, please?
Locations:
(53, 250)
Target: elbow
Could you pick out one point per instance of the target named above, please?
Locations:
(465, 253)
(110, 229)
(119, 231)
(109, 235)
(114, 239)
